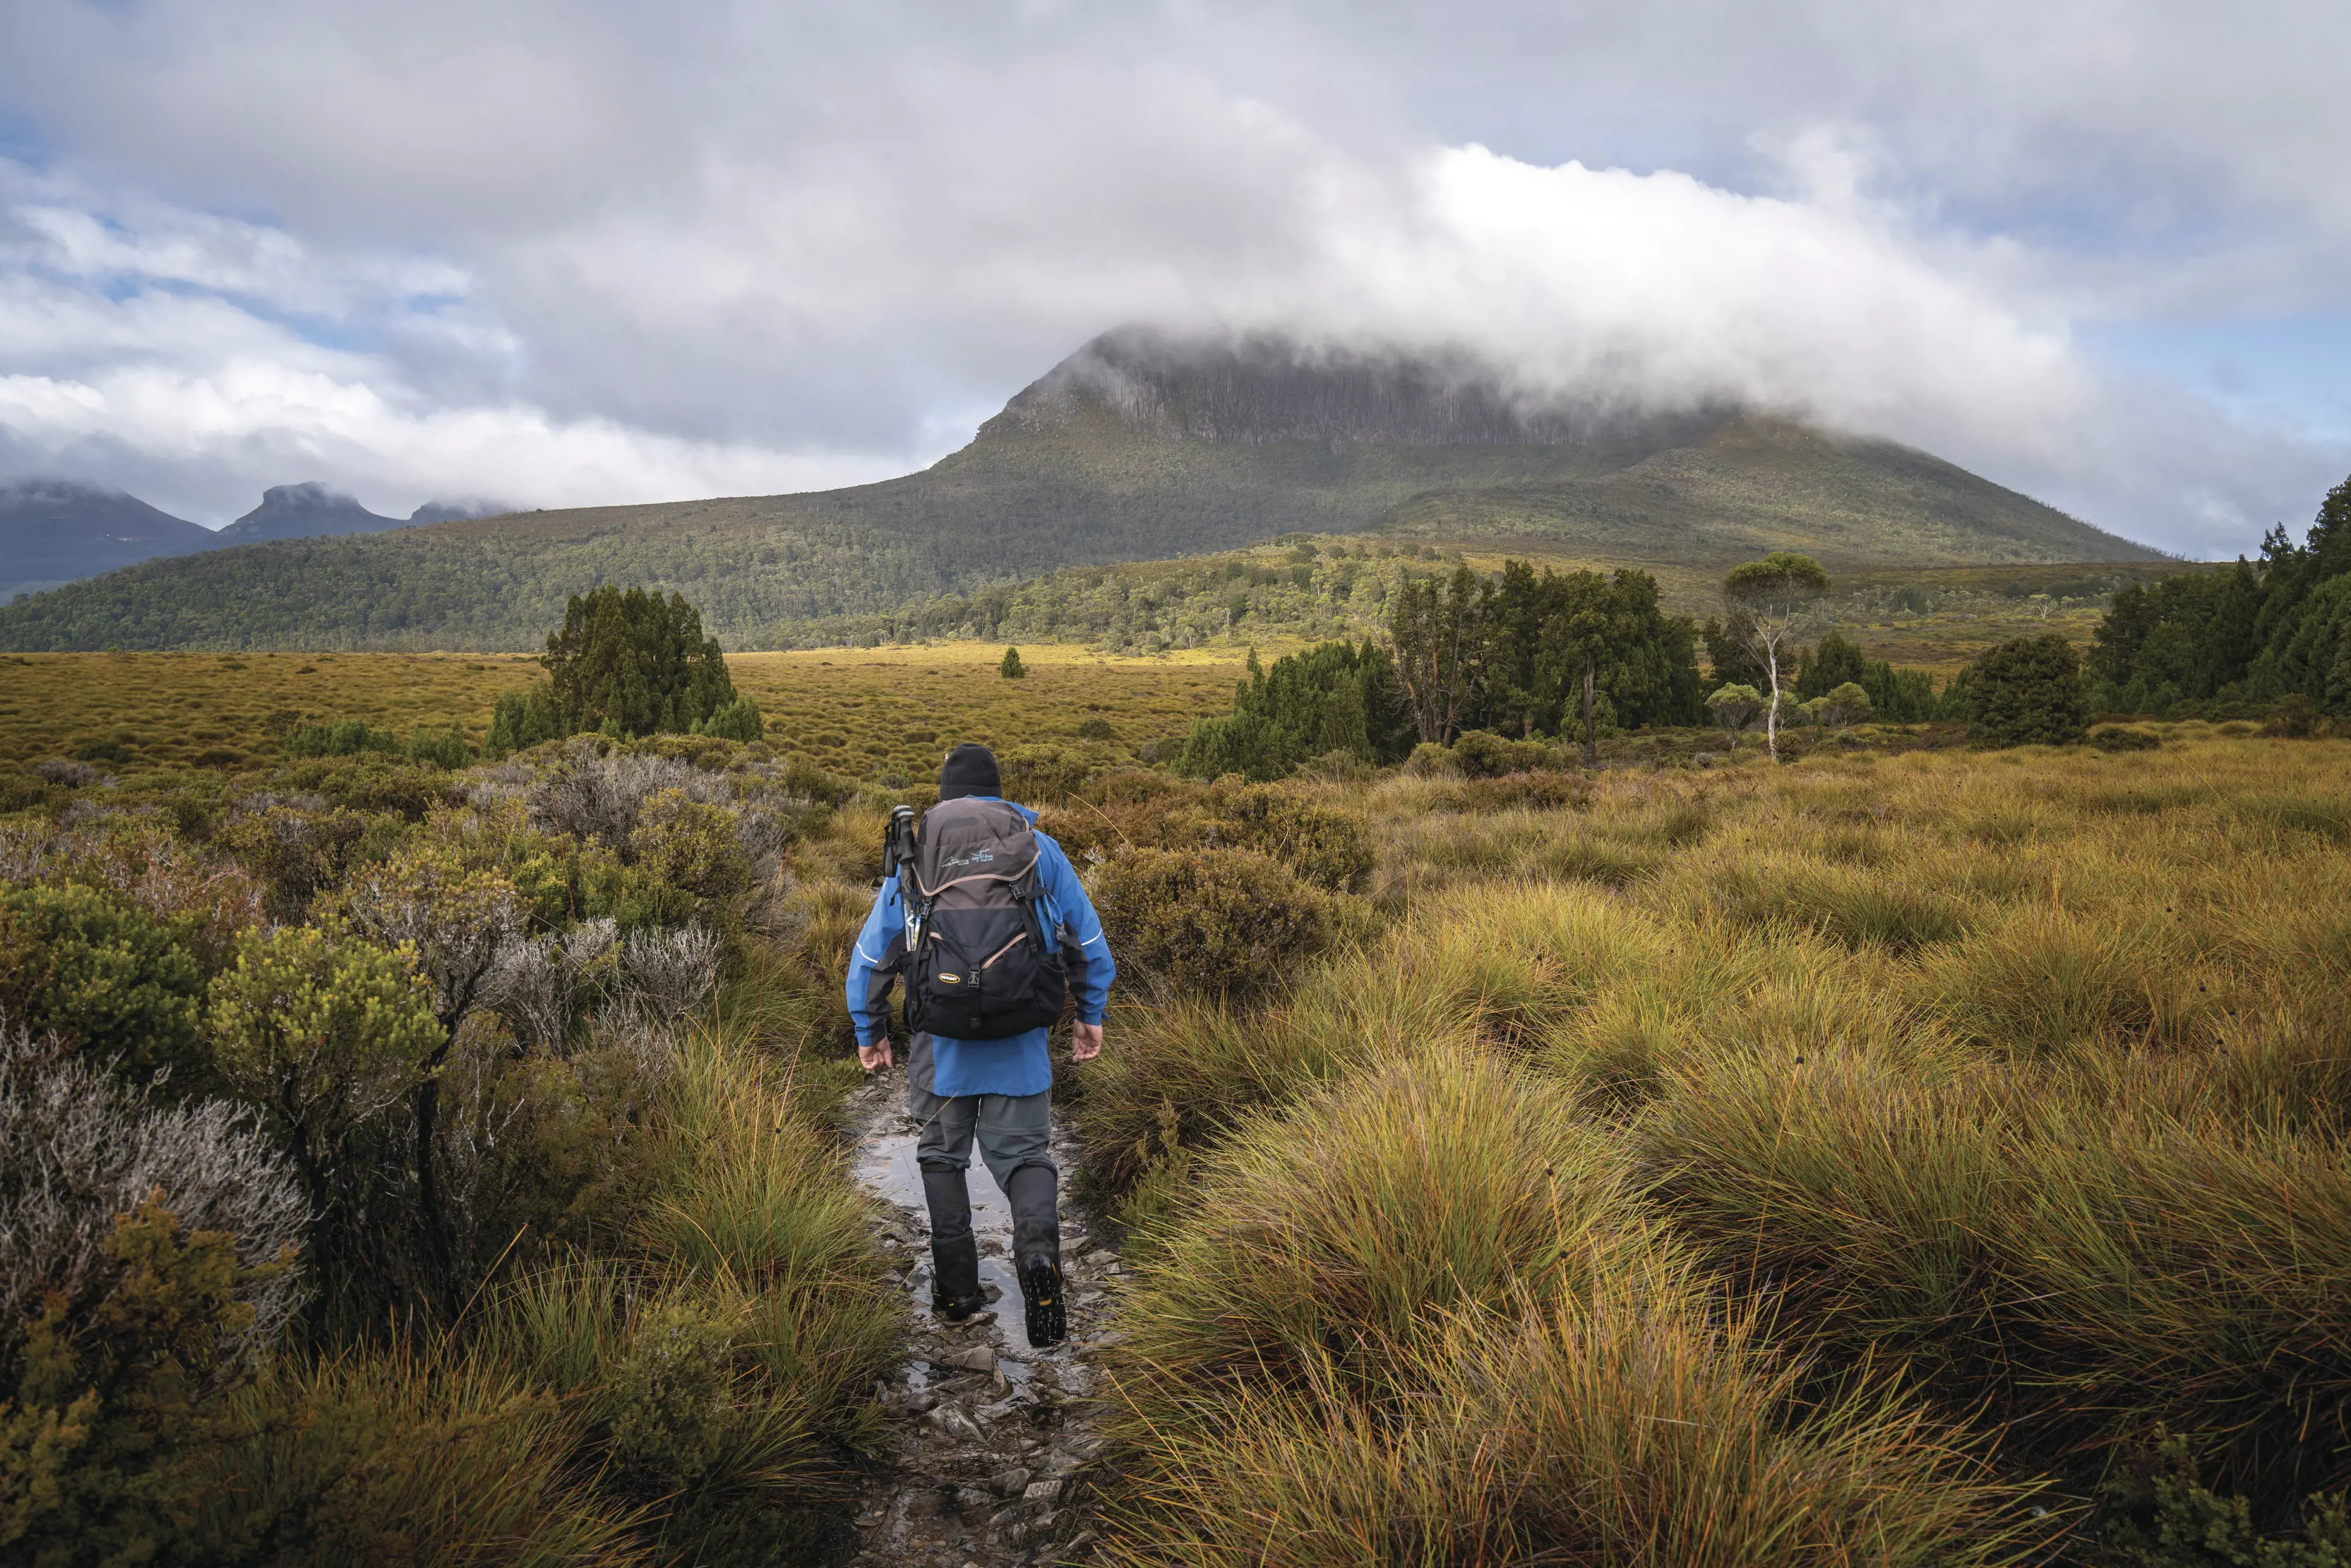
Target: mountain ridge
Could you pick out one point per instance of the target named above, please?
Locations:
(1137, 447)
(54, 530)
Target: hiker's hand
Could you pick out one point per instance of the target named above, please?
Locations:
(870, 1057)
(1085, 1041)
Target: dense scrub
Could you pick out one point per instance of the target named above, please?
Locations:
(432, 1175)
(1953, 1138)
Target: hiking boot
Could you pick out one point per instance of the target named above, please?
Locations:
(956, 1294)
(955, 1251)
(1033, 1193)
(1041, 1289)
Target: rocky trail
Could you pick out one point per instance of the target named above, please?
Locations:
(990, 1463)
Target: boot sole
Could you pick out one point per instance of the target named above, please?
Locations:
(1048, 1319)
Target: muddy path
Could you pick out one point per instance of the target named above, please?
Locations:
(988, 1461)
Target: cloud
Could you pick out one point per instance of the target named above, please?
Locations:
(214, 435)
(538, 249)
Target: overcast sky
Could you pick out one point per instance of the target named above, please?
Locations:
(554, 251)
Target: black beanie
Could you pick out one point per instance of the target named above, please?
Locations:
(970, 771)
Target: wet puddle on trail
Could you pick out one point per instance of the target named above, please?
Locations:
(988, 1462)
(886, 1167)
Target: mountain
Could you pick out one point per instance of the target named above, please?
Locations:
(54, 530)
(1138, 447)
(303, 512)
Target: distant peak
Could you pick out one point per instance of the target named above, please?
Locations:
(311, 495)
(304, 511)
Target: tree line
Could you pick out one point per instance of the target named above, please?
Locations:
(2241, 641)
(1574, 657)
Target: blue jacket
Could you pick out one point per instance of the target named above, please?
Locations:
(1022, 1065)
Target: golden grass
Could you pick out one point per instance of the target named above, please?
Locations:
(852, 711)
(215, 710)
(2022, 1078)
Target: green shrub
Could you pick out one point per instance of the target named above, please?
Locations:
(2294, 718)
(340, 738)
(293, 852)
(1735, 707)
(1011, 668)
(1043, 773)
(105, 976)
(325, 1033)
(738, 720)
(2161, 1515)
(368, 782)
(1479, 755)
(692, 848)
(118, 1410)
(1847, 703)
(2115, 737)
(1213, 922)
(1329, 847)
(521, 720)
(1430, 760)
(2027, 691)
(445, 747)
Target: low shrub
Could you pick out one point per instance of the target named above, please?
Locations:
(1041, 773)
(1481, 754)
(1214, 922)
(341, 738)
(1327, 846)
(2119, 737)
(105, 976)
(2292, 718)
(294, 850)
(367, 782)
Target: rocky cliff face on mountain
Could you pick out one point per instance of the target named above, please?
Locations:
(54, 530)
(1260, 391)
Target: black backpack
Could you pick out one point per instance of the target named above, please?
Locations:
(976, 964)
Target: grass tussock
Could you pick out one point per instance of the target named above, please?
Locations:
(1422, 1319)
(401, 1457)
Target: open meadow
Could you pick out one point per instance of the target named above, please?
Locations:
(1902, 1154)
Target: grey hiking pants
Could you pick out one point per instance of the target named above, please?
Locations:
(1012, 1129)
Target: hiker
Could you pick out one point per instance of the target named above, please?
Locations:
(984, 919)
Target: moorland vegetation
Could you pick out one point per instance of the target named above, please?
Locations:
(1915, 1151)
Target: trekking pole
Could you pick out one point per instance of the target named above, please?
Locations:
(898, 840)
